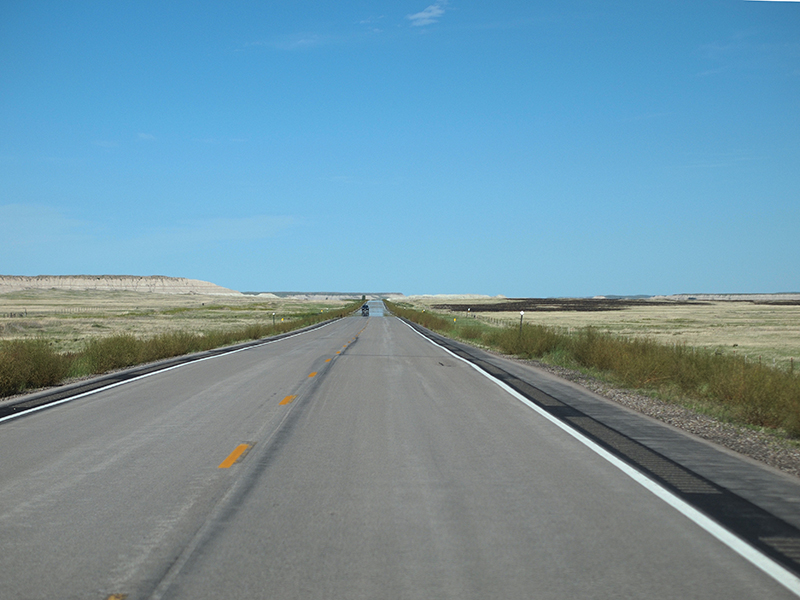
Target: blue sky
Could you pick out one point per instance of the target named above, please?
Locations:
(524, 148)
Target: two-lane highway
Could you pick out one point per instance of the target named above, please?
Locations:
(357, 460)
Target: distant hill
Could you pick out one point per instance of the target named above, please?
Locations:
(155, 284)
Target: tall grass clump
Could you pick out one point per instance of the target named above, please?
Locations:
(532, 341)
(28, 364)
(744, 392)
(425, 318)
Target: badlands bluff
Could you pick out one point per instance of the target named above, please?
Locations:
(112, 283)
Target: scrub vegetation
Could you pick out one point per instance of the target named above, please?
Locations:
(764, 330)
(725, 384)
(52, 337)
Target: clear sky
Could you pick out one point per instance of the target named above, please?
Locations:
(524, 148)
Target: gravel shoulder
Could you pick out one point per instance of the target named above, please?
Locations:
(762, 446)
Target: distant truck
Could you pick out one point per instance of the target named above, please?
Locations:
(365, 310)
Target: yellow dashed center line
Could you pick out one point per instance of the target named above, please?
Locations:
(314, 374)
(235, 455)
(327, 360)
(287, 400)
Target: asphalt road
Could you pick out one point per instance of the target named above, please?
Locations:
(357, 460)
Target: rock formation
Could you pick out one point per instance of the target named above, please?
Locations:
(156, 284)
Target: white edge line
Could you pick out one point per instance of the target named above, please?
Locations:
(138, 377)
(780, 574)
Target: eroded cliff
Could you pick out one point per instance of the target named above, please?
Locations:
(156, 284)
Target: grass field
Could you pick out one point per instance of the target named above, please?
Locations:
(745, 329)
(67, 319)
(47, 336)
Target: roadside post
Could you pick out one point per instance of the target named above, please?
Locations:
(521, 314)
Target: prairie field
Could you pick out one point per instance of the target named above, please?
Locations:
(755, 331)
(67, 319)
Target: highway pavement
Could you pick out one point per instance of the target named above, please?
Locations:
(356, 460)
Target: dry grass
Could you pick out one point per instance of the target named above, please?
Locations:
(67, 319)
(741, 329)
(47, 336)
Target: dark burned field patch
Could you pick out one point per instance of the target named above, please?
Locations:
(561, 304)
